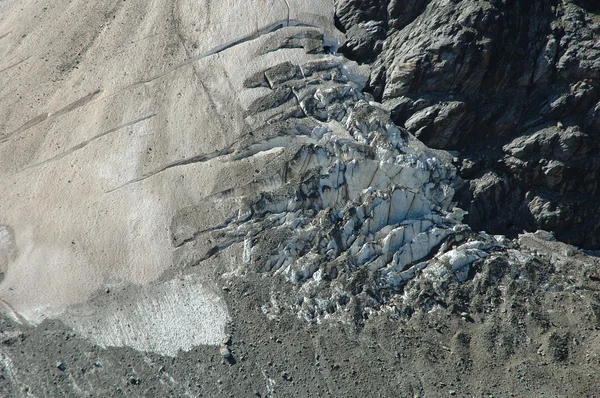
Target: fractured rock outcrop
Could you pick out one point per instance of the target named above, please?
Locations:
(474, 76)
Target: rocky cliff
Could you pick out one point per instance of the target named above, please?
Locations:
(511, 86)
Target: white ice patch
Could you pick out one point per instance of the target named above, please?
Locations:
(167, 318)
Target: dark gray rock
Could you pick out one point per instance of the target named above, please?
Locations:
(352, 12)
(513, 86)
(280, 73)
(403, 12)
(439, 125)
(491, 197)
(365, 41)
(365, 24)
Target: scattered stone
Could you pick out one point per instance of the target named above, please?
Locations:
(226, 340)
(134, 381)
(225, 353)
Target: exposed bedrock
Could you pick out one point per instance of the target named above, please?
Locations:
(485, 77)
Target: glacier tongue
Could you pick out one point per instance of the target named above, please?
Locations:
(353, 193)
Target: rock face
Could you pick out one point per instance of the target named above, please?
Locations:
(477, 77)
(220, 199)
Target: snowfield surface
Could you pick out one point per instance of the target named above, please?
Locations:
(111, 126)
